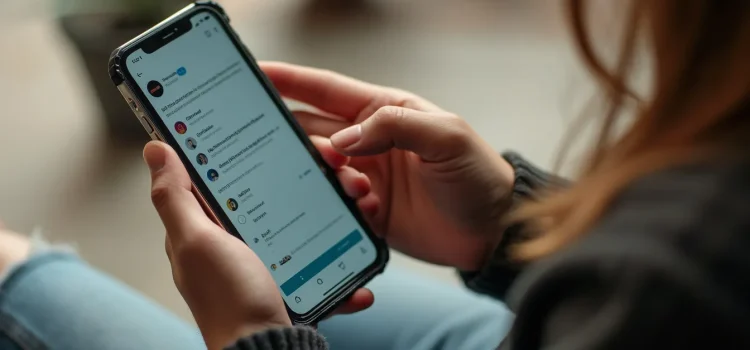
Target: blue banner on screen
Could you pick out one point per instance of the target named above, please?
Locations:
(327, 258)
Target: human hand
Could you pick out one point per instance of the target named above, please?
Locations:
(438, 191)
(228, 289)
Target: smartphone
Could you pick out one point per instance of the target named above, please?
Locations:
(193, 84)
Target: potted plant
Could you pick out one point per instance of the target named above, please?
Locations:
(96, 28)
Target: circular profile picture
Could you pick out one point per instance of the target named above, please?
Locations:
(202, 159)
(191, 143)
(213, 175)
(155, 88)
(180, 127)
(232, 204)
(273, 267)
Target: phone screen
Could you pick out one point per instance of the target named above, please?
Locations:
(253, 163)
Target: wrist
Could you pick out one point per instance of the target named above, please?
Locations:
(503, 202)
(524, 182)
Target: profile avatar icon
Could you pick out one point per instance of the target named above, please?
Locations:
(202, 159)
(191, 143)
(273, 267)
(155, 88)
(232, 204)
(213, 175)
(180, 127)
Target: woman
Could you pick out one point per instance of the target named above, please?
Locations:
(647, 250)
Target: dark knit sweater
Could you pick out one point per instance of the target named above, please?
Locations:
(668, 267)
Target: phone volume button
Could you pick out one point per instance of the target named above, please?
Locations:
(147, 125)
(132, 104)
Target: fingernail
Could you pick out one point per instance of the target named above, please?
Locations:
(153, 157)
(347, 137)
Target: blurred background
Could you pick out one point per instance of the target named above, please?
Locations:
(72, 150)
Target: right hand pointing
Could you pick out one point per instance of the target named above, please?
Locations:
(438, 190)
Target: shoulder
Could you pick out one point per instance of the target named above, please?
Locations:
(683, 201)
(667, 262)
(698, 213)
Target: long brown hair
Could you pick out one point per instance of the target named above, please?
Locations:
(699, 107)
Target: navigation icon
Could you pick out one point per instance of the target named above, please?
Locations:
(320, 281)
(342, 265)
(297, 299)
(362, 250)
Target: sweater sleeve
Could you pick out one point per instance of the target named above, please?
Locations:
(498, 274)
(289, 338)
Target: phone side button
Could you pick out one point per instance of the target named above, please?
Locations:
(147, 125)
(132, 104)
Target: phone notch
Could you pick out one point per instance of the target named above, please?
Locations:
(168, 34)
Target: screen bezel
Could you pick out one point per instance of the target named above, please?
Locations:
(178, 21)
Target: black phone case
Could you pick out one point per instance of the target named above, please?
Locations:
(116, 73)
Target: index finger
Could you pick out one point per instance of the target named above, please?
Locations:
(328, 91)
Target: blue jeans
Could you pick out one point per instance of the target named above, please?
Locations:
(56, 301)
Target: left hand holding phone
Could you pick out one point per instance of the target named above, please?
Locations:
(227, 287)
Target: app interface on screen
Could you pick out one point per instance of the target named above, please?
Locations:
(253, 163)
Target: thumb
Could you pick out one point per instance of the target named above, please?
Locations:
(171, 192)
(434, 136)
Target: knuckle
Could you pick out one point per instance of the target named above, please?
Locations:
(457, 131)
(161, 193)
(403, 98)
(193, 248)
(458, 123)
(389, 114)
(408, 100)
